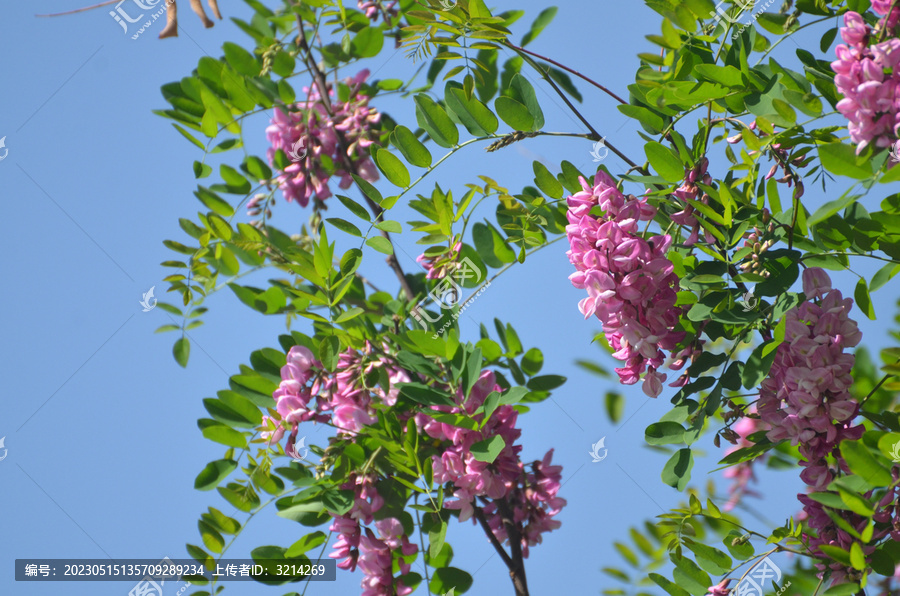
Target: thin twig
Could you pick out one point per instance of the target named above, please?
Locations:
(77, 10)
(566, 68)
(377, 210)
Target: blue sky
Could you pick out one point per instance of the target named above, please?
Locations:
(99, 421)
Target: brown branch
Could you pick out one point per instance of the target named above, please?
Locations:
(566, 68)
(517, 569)
(377, 210)
(584, 120)
(479, 515)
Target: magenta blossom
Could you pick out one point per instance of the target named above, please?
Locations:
(631, 284)
(309, 132)
(868, 78)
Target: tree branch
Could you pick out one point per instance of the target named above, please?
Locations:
(566, 68)
(377, 210)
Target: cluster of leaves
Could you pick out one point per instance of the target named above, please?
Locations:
(721, 69)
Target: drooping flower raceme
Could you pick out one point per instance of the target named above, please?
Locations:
(869, 79)
(631, 284)
(806, 398)
(529, 497)
(504, 489)
(310, 135)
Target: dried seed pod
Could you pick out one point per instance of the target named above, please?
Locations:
(171, 28)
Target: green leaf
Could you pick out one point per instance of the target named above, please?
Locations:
(841, 159)
(329, 352)
(532, 362)
(488, 449)
(863, 300)
(338, 502)
(712, 560)
(690, 576)
(214, 473)
(514, 113)
(368, 42)
(412, 148)
(446, 579)
(226, 436)
(367, 189)
(189, 137)
(241, 60)
(424, 394)
(392, 168)
(435, 121)
(355, 208)
(677, 471)
(478, 119)
(758, 365)
(388, 225)
(539, 24)
(522, 91)
(864, 464)
(344, 226)
(668, 585)
(546, 181)
(665, 161)
(664, 433)
(213, 202)
(546, 382)
(842, 589)
(381, 244)
(182, 351)
(211, 537)
(305, 544)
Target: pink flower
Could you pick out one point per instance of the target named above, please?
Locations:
(816, 283)
(307, 133)
(720, 589)
(868, 79)
(438, 266)
(631, 284)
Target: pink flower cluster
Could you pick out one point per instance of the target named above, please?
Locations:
(438, 266)
(530, 496)
(631, 284)
(690, 190)
(869, 79)
(305, 393)
(370, 7)
(307, 133)
(806, 397)
(341, 398)
(358, 546)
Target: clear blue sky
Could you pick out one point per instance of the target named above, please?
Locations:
(100, 422)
